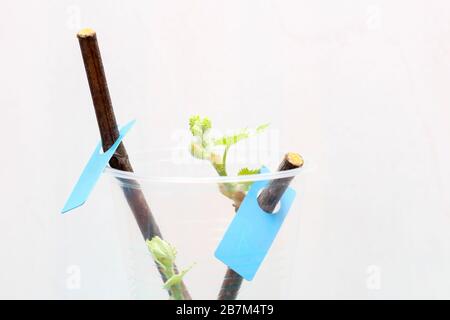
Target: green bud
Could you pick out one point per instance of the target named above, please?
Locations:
(199, 126)
(163, 253)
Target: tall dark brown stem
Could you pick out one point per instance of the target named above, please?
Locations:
(109, 133)
(268, 199)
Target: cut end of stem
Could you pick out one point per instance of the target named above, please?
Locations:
(294, 159)
(85, 33)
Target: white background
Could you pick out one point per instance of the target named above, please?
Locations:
(360, 87)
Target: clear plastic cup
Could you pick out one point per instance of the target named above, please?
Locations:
(192, 214)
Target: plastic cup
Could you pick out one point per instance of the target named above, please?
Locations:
(192, 214)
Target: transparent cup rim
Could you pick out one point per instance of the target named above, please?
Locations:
(213, 179)
(164, 152)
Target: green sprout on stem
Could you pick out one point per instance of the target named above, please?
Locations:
(205, 147)
(164, 255)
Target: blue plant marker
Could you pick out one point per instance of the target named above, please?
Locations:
(252, 231)
(92, 171)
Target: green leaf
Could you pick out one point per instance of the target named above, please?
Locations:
(247, 171)
(262, 127)
(229, 140)
(176, 278)
(245, 186)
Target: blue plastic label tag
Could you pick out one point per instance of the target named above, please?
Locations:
(252, 231)
(92, 171)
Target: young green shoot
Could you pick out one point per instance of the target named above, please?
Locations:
(164, 255)
(215, 150)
